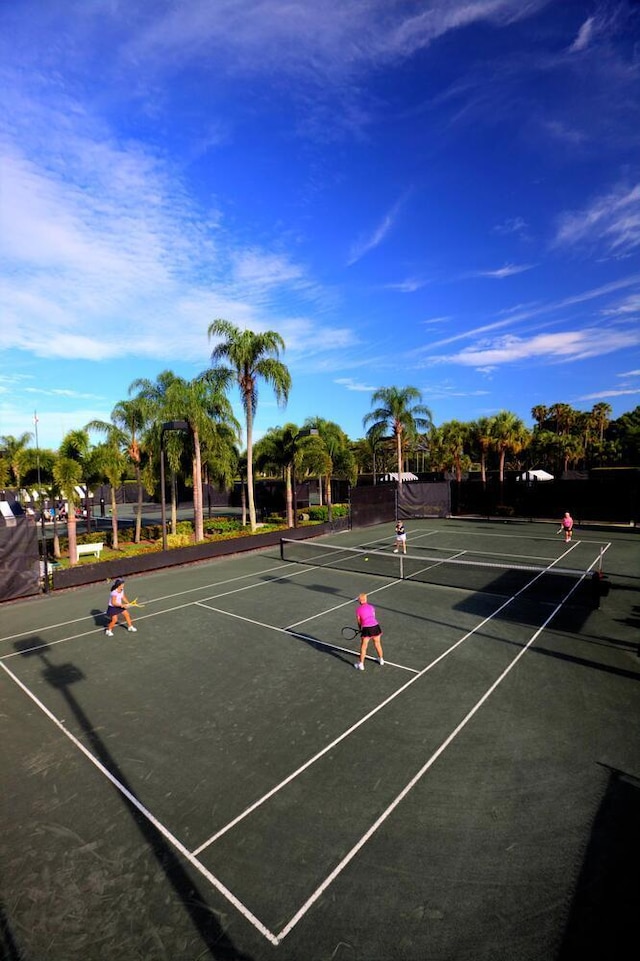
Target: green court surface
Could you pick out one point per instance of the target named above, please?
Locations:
(223, 784)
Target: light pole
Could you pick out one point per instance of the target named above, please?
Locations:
(170, 425)
(307, 432)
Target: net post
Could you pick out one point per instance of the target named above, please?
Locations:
(401, 559)
(282, 548)
(600, 560)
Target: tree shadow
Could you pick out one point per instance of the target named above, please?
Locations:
(602, 919)
(9, 950)
(62, 677)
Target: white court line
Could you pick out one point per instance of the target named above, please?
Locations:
(414, 780)
(256, 804)
(191, 856)
(155, 600)
(167, 835)
(297, 572)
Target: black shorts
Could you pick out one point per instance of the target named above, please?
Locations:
(113, 611)
(372, 631)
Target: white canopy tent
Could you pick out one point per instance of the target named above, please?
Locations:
(406, 476)
(539, 475)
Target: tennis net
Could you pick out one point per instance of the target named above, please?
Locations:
(549, 584)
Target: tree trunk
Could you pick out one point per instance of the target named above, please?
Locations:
(138, 530)
(289, 494)
(198, 515)
(328, 498)
(72, 535)
(114, 518)
(250, 491)
(399, 455)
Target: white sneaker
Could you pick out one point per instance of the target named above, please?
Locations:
(358, 666)
(381, 661)
(395, 550)
(108, 633)
(134, 629)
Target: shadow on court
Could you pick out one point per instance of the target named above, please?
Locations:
(602, 920)
(9, 950)
(323, 647)
(63, 677)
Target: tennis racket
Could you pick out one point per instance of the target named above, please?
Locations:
(135, 603)
(349, 633)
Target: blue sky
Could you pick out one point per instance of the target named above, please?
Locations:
(436, 193)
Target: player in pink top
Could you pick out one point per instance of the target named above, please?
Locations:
(566, 525)
(369, 629)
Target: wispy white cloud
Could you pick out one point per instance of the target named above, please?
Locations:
(525, 314)
(500, 273)
(350, 384)
(313, 40)
(512, 226)
(614, 392)
(568, 345)
(585, 33)
(96, 232)
(611, 220)
(369, 242)
(408, 286)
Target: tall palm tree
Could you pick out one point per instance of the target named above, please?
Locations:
(276, 451)
(339, 459)
(128, 419)
(601, 414)
(113, 464)
(67, 473)
(398, 411)
(540, 414)
(452, 438)
(509, 435)
(76, 445)
(201, 403)
(480, 431)
(252, 356)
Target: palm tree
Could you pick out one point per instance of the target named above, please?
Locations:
(539, 414)
(131, 416)
(480, 431)
(201, 403)
(601, 414)
(452, 438)
(76, 446)
(339, 458)
(398, 412)
(112, 462)
(67, 473)
(509, 435)
(15, 452)
(276, 451)
(253, 356)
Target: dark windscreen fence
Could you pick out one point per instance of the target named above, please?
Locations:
(373, 505)
(544, 584)
(19, 558)
(424, 500)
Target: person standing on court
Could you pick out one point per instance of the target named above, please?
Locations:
(369, 630)
(401, 538)
(566, 525)
(118, 605)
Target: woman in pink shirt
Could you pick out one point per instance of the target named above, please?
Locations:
(369, 629)
(566, 525)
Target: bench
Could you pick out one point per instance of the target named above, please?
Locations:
(95, 549)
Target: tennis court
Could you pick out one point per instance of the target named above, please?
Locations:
(223, 784)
